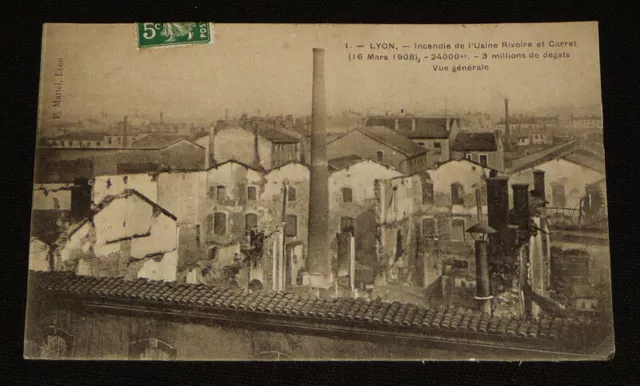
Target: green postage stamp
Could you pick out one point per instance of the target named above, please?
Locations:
(156, 34)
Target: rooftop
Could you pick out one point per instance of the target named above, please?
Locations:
(392, 139)
(82, 137)
(276, 136)
(475, 142)
(542, 156)
(397, 317)
(425, 127)
(343, 162)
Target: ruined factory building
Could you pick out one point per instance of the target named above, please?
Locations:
(127, 235)
(356, 203)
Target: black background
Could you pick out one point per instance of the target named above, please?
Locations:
(21, 27)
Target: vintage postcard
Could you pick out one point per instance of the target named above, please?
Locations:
(223, 192)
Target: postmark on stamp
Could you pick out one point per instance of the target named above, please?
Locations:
(159, 34)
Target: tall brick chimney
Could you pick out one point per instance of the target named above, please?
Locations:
(318, 260)
(256, 148)
(507, 133)
(212, 146)
(124, 133)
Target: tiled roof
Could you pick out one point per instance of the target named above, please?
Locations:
(591, 162)
(344, 161)
(276, 136)
(475, 142)
(542, 156)
(393, 139)
(425, 127)
(353, 312)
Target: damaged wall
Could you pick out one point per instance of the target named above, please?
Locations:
(113, 184)
(236, 143)
(462, 172)
(182, 194)
(52, 196)
(400, 208)
(38, 255)
(360, 180)
(296, 176)
(129, 236)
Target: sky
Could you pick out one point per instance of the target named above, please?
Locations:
(268, 68)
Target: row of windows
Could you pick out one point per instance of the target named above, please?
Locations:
(437, 147)
(430, 229)
(418, 163)
(251, 221)
(483, 159)
(85, 143)
(252, 193)
(281, 147)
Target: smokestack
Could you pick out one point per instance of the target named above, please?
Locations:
(212, 146)
(256, 150)
(521, 204)
(319, 261)
(479, 205)
(498, 202)
(124, 133)
(538, 184)
(483, 285)
(161, 122)
(507, 133)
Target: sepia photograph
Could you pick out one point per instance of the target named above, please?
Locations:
(319, 192)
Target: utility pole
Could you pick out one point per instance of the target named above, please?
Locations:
(283, 265)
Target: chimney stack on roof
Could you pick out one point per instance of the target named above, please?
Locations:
(498, 202)
(124, 133)
(212, 146)
(521, 204)
(539, 184)
(507, 133)
(483, 283)
(256, 148)
(319, 260)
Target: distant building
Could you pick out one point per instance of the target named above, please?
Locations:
(274, 148)
(535, 139)
(568, 168)
(530, 130)
(484, 148)
(382, 145)
(53, 164)
(586, 122)
(527, 124)
(433, 133)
